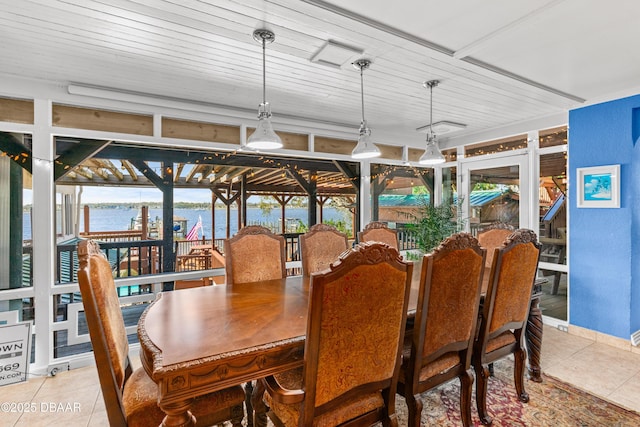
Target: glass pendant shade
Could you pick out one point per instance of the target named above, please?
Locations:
(264, 137)
(365, 149)
(431, 155)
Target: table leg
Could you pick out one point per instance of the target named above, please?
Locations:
(178, 414)
(248, 395)
(533, 337)
(259, 408)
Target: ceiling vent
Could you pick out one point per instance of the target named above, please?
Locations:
(442, 127)
(333, 54)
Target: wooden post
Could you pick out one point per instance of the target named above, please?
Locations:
(213, 218)
(144, 221)
(86, 219)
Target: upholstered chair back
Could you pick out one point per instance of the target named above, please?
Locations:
(321, 246)
(131, 397)
(355, 330)
(445, 324)
(254, 254)
(490, 239)
(377, 231)
(513, 280)
(106, 326)
(505, 312)
(451, 296)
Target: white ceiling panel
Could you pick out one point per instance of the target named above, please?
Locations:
(500, 62)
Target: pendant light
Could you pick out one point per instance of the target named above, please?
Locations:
(364, 149)
(264, 137)
(432, 154)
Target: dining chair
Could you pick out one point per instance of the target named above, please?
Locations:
(504, 313)
(254, 254)
(353, 346)
(377, 231)
(491, 238)
(445, 323)
(321, 246)
(130, 396)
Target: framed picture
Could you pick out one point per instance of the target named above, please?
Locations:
(599, 187)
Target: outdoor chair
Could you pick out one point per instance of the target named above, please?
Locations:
(254, 254)
(321, 246)
(445, 324)
(355, 330)
(377, 231)
(504, 313)
(131, 397)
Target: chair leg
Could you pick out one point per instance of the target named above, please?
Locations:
(482, 378)
(466, 388)
(518, 372)
(414, 404)
(237, 415)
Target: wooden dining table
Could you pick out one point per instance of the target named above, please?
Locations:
(199, 340)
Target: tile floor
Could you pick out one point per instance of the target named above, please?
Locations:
(73, 398)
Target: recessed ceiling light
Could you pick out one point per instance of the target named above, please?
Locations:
(442, 126)
(335, 54)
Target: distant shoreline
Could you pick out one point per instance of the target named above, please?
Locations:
(158, 205)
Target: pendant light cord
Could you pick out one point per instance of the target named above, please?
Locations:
(362, 90)
(264, 74)
(431, 110)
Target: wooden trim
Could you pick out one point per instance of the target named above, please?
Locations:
(415, 154)
(392, 152)
(334, 146)
(290, 141)
(102, 120)
(16, 110)
(200, 131)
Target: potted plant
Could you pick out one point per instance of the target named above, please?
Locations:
(432, 224)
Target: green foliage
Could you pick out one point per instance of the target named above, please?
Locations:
(340, 225)
(484, 186)
(266, 206)
(301, 227)
(433, 224)
(419, 190)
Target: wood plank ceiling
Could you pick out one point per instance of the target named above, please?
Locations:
(500, 62)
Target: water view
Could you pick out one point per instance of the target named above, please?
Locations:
(110, 219)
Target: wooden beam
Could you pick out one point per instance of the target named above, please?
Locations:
(16, 110)
(200, 131)
(178, 172)
(98, 168)
(132, 172)
(149, 174)
(295, 174)
(16, 150)
(73, 157)
(114, 170)
(102, 120)
(350, 172)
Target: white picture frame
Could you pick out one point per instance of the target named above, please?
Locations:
(598, 186)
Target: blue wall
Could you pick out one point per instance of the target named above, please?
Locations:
(605, 243)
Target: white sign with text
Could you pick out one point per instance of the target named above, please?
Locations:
(15, 345)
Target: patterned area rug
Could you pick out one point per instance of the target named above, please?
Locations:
(551, 403)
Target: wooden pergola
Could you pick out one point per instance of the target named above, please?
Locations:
(232, 177)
